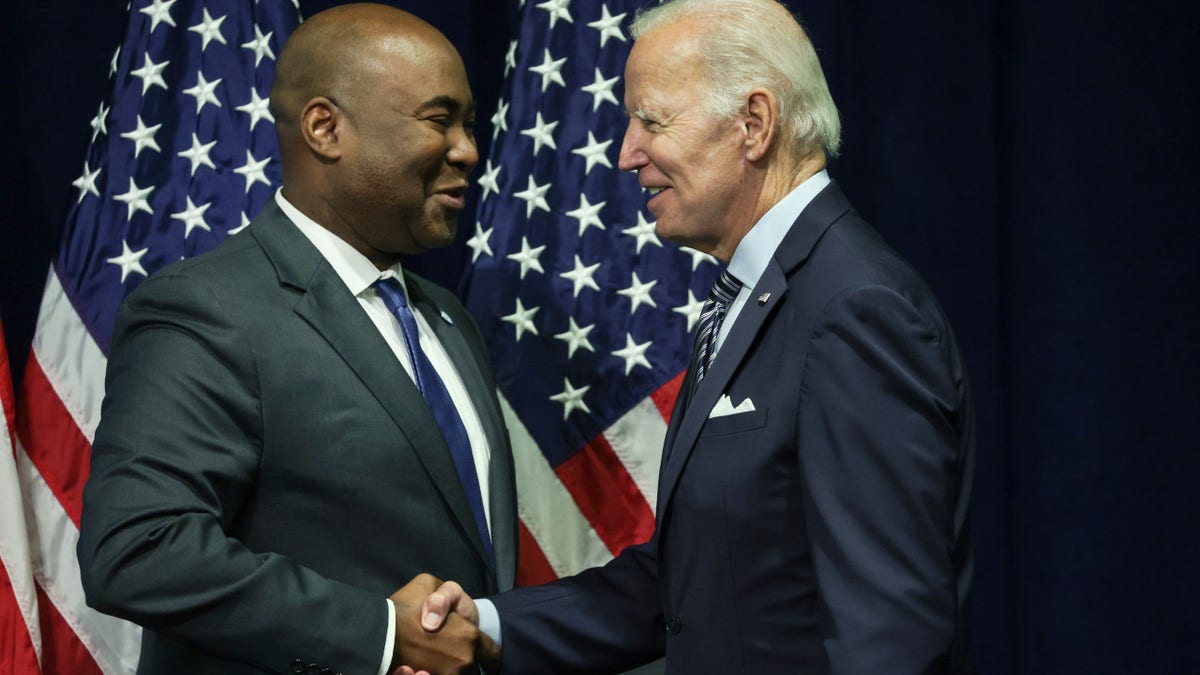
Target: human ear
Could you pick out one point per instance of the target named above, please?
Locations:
(759, 121)
(321, 125)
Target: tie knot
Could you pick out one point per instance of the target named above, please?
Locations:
(726, 288)
(392, 292)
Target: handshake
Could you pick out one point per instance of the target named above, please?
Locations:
(437, 631)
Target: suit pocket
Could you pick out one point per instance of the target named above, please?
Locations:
(733, 424)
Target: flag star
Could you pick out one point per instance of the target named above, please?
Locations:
(587, 214)
(608, 25)
(209, 29)
(479, 242)
(136, 199)
(697, 256)
(159, 11)
(99, 123)
(143, 137)
(522, 319)
(87, 182)
(558, 10)
(691, 310)
(576, 337)
(633, 353)
(488, 180)
(541, 133)
(257, 108)
(129, 261)
(638, 293)
(198, 154)
(582, 276)
(510, 59)
(253, 171)
(571, 398)
(261, 46)
(203, 92)
(601, 90)
(644, 232)
(193, 217)
(549, 70)
(151, 74)
(594, 152)
(112, 66)
(534, 197)
(528, 257)
(239, 228)
(499, 121)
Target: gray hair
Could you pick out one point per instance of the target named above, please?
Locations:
(758, 43)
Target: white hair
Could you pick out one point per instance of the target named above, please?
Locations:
(757, 43)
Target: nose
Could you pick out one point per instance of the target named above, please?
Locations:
(632, 156)
(463, 152)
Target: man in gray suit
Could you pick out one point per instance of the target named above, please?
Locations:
(293, 424)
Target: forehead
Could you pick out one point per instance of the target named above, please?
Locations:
(416, 70)
(665, 63)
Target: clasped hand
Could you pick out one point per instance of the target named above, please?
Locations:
(437, 630)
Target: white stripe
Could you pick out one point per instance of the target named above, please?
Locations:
(637, 440)
(14, 543)
(71, 359)
(113, 643)
(547, 508)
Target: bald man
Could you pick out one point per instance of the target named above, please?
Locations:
(294, 425)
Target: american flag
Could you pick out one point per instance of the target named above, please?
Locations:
(18, 599)
(183, 153)
(587, 313)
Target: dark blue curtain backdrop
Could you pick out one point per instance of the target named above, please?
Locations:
(1036, 160)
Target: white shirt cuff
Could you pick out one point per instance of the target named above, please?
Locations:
(389, 639)
(489, 619)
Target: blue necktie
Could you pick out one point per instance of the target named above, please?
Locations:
(724, 290)
(444, 411)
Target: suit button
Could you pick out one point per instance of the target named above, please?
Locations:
(674, 625)
(298, 667)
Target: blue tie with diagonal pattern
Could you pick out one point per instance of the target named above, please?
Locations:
(724, 290)
(434, 391)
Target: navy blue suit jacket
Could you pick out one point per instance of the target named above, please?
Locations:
(826, 531)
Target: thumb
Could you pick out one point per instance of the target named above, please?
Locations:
(434, 611)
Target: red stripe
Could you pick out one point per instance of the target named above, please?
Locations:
(664, 398)
(17, 655)
(62, 652)
(532, 569)
(53, 442)
(6, 390)
(607, 496)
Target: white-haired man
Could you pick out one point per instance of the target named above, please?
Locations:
(814, 492)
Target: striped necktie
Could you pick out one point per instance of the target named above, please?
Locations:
(440, 404)
(719, 298)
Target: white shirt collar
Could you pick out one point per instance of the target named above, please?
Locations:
(757, 248)
(354, 268)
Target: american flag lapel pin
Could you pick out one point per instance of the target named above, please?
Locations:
(446, 317)
(762, 299)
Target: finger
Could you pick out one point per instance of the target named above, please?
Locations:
(434, 611)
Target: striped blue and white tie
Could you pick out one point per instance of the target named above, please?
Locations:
(719, 298)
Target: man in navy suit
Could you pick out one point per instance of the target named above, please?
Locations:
(815, 485)
(294, 425)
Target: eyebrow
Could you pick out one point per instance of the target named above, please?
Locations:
(448, 102)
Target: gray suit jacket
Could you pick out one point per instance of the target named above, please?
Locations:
(826, 531)
(265, 473)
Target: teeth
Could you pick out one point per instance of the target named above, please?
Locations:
(654, 190)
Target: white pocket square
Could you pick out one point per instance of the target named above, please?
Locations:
(725, 407)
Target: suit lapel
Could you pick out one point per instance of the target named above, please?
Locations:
(500, 473)
(735, 348)
(326, 305)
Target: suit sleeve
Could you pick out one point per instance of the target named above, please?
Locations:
(603, 620)
(882, 407)
(175, 456)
